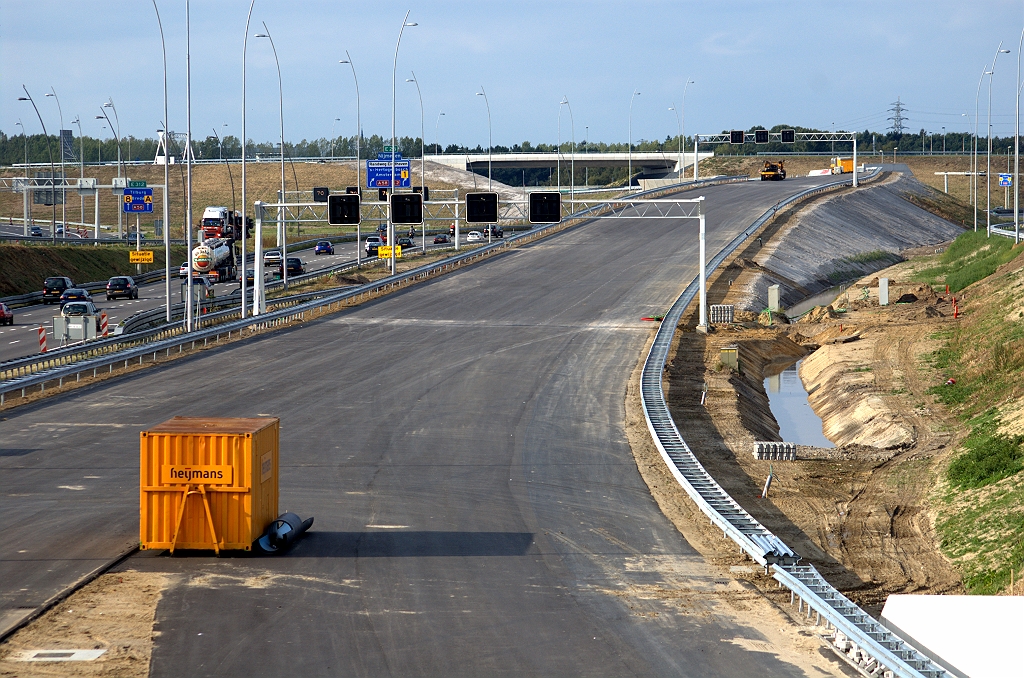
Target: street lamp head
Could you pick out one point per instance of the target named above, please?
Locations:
(344, 61)
(411, 23)
(24, 99)
(262, 35)
(479, 94)
(50, 94)
(988, 72)
(410, 79)
(108, 104)
(1004, 51)
(100, 117)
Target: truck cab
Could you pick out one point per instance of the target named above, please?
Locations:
(219, 222)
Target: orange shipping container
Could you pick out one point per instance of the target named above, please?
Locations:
(207, 483)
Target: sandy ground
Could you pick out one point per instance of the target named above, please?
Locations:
(114, 613)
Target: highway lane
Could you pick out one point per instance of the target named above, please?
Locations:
(461, 445)
(21, 339)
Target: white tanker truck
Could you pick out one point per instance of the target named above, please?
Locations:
(215, 259)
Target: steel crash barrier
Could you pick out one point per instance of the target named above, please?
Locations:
(72, 362)
(858, 636)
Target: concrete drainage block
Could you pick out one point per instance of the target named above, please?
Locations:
(775, 451)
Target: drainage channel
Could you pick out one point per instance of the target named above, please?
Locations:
(787, 399)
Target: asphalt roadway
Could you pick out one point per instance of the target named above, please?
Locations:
(461, 445)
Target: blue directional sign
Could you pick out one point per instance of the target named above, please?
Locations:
(378, 174)
(137, 200)
(1006, 180)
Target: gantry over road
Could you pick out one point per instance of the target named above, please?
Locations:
(657, 162)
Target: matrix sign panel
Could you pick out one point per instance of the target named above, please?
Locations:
(406, 208)
(342, 209)
(545, 207)
(481, 208)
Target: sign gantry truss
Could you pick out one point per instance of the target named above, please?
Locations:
(752, 138)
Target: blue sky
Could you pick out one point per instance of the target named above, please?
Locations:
(754, 63)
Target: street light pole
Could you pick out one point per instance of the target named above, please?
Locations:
(359, 135)
(974, 173)
(257, 265)
(189, 283)
(988, 171)
(679, 146)
(629, 172)
(1016, 149)
(682, 124)
(280, 210)
(117, 136)
(423, 157)
(60, 140)
(167, 237)
(81, 161)
(572, 158)
(490, 146)
(28, 98)
(394, 90)
(336, 120)
(437, 146)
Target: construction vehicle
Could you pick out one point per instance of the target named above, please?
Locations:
(220, 222)
(773, 171)
(215, 259)
(842, 165)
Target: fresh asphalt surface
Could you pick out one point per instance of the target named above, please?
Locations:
(461, 446)
(21, 338)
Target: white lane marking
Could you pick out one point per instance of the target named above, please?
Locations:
(388, 527)
(16, 341)
(71, 487)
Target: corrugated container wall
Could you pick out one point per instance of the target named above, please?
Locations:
(224, 470)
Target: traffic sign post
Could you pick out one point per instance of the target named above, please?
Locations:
(137, 200)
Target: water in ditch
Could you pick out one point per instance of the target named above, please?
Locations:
(788, 401)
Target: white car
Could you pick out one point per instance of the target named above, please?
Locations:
(272, 258)
(475, 236)
(372, 243)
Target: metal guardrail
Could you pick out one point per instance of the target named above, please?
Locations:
(25, 373)
(859, 636)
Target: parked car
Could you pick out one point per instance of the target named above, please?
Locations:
(183, 271)
(74, 294)
(272, 258)
(323, 247)
(372, 243)
(122, 286)
(405, 242)
(35, 231)
(6, 315)
(441, 239)
(475, 236)
(295, 266)
(54, 286)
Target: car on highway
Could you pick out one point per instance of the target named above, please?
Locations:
(441, 239)
(35, 232)
(295, 266)
(494, 230)
(405, 242)
(54, 286)
(6, 315)
(475, 236)
(77, 308)
(250, 276)
(323, 247)
(75, 294)
(122, 286)
(272, 258)
(183, 271)
(372, 243)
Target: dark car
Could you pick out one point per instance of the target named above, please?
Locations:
(54, 286)
(75, 294)
(122, 286)
(78, 308)
(6, 315)
(295, 266)
(35, 231)
(441, 239)
(323, 247)
(494, 231)
(405, 242)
